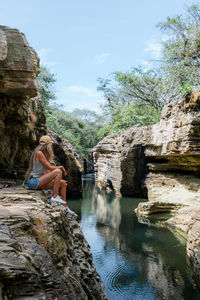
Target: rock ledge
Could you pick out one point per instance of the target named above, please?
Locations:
(43, 253)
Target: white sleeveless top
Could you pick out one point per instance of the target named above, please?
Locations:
(38, 168)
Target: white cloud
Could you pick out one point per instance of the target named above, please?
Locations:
(154, 48)
(78, 89)
(101, 58)
(43, 52)
(43, 55)
(146, 64)
(77, 96)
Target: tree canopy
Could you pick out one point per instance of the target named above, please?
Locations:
(135, 97)
(181, 51)
(80, 127)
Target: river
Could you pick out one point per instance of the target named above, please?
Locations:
(135, 261)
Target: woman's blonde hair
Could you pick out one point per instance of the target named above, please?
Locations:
(46, 149)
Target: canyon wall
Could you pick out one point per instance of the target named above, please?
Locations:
(22, 118)
(172, 145)
(22, 115)
(161, 162)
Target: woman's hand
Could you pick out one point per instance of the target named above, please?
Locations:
(63, 170)
(45, 162)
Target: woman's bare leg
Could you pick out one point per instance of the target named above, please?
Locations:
(63, 185)
(51, 179)
(62, 188)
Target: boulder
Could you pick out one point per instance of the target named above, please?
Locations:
(87, 164)
(65, 155)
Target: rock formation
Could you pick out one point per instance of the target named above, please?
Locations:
(43, 253)
(66, 156)
(22, 118)
(161, 161)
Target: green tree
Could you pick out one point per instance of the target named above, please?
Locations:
(81, 134)
(136, 85)
(131, 98)
(88, 116)
(46, 85)
(137, 97)
(80, 128)
(181, 52)
(93, 123)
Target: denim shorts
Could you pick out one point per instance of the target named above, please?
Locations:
(33, 183)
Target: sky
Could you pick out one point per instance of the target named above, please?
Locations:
(83, 40)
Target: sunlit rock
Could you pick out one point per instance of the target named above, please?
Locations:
(43, 253)
(22, 117)
(161, 162)
(19, 64)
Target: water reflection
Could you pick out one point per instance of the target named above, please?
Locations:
(107, 209)
(135, 261)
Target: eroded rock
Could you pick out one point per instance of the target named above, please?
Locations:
(19, 64)
(65, 155)
(173, 144)
(22, 115)
(22, 118)
(161, 162)
(43, 253)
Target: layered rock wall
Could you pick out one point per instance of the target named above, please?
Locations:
(22, 115)
(161, 162)
(22, 118)
(172, 145)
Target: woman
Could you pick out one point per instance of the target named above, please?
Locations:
(42, 175)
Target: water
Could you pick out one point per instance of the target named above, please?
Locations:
(134, 260)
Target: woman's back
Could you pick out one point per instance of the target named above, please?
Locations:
(38, 168)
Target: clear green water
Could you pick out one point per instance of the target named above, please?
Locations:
(135, 261)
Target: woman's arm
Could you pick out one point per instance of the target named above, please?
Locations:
(40, 156)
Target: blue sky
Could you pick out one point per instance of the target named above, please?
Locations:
(81, 40)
